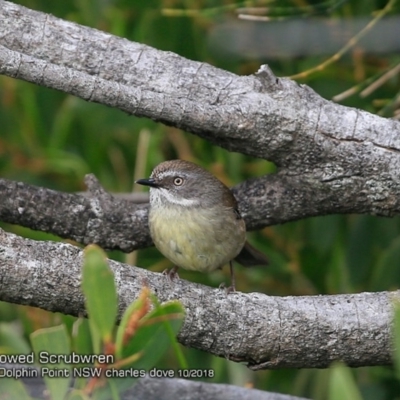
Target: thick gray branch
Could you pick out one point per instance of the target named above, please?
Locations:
(164, 389)
(263, 331)
(333, 159)
(96, 218)
(115, 223)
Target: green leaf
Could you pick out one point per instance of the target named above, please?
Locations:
(153, 338)
(113, 387)
(387, 272)
(359, 248)
(321, 232)
(101, 297)
(13, 390)
(134, 308)
(82, 344)
(342, 385)
(10, 341)
(172, 334)
(396, 338)
(50, 342)
(154, 334)
(81, 340)
(77, 395)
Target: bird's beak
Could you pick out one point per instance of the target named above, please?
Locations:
(148, 182)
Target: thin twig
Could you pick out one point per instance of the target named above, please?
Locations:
(351, 43)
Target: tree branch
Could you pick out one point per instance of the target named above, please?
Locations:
(164, 389)
(97, 218)
(262, 331)
(115, 223)
(332, 159)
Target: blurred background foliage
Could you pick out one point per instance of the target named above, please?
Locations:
(51, 139)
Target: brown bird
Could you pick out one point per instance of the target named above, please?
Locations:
(194, 220)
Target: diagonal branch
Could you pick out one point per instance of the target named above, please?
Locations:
(263, 331)
(160, 388)
(115, 223)
(337, 159)
(98, 218)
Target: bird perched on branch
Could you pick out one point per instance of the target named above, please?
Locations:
(194, 220)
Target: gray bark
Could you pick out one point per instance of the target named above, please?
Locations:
(167, 389)
(96, 217)
(260, 330)
(330, 158)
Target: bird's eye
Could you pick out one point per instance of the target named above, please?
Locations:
(178, 181)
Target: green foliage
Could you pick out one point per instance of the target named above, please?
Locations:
(10, 343)
(53, 341)
(148, 341)
(52, 140)
(14, 389)
(143, 336)
(396, 341)
(101, 296)
(342, 385)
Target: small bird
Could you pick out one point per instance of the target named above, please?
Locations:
(194, 220)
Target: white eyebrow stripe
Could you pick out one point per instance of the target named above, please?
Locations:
(169, 172)
(177, 200)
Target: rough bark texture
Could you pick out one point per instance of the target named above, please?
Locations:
(167, 389)
(97, 218)
(331, 159)
(260, 330)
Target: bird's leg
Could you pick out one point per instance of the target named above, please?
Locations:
(171, 273)
(232, 288)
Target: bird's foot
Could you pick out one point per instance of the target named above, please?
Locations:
(229, 289)
(171, 273)
(232, 288)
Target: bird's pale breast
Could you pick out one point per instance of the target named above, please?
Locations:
(192, 238)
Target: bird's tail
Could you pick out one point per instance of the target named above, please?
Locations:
(250, 256)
